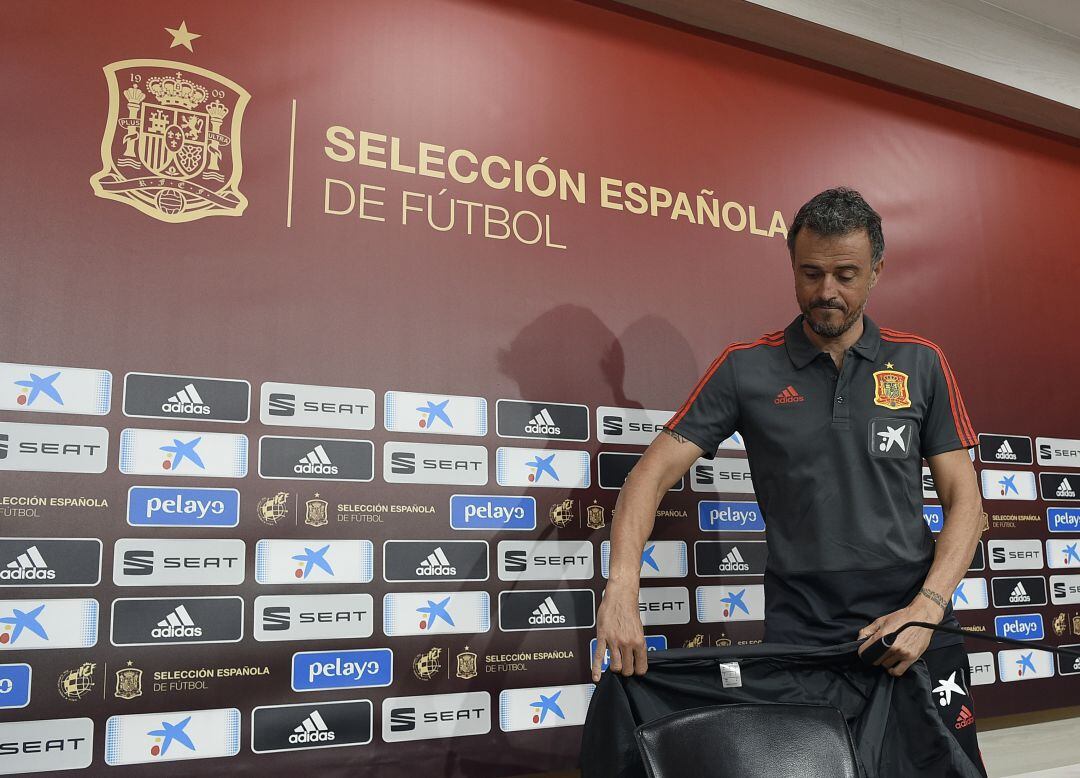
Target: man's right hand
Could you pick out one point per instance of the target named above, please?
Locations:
(619, 630)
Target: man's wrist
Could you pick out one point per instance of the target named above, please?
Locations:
(930, 601)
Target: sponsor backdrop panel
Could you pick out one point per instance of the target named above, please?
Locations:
(286, 283)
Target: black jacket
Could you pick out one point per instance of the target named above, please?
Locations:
(894, 723)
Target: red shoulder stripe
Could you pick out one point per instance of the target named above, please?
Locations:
(956, 401)
(770, 339)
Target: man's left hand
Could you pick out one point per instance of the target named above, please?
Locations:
(909, 644)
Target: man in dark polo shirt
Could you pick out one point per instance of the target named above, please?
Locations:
(837, 415)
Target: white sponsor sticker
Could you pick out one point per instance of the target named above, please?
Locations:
(200, 454)
(1008, 485)
(1058, 452)
(728, 475)
(664, 605)
(630, 426)
(314, 617)
(735, 602)
(929, 488)
(659, 559)
(436, 613)
(435, 463)
(314, 561)
(545, 560)
(52, 389)
(542, 467)
(1063, 553)
(46, 745)
(970, 595)
(26, 625)
(157, 562)
(981, 668)
(434, 414)
(1015, 554)
(1065, 589)
(1024, 664)
(544, 707)
(168, 737)
(305, 405)
(53, 448)
(431, 716)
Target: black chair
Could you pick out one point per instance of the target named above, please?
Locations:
(749, 741)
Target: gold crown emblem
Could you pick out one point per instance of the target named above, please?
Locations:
(217, 109)
(177, 90)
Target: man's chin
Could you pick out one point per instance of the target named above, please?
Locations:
(827, 327)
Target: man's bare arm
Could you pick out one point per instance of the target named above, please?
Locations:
(958, 489)
(619, 626)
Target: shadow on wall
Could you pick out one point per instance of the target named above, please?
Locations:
(569, 355)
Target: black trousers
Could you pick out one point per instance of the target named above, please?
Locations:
(948, 668)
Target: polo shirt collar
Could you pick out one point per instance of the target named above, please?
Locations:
(802, 352)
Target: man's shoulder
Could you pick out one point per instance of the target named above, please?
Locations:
(910, 342)
(763, 344)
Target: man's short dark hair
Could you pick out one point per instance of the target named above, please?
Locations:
(839, 211)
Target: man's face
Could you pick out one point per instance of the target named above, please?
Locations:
(833, 279)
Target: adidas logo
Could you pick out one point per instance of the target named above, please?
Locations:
(312, 730)
(965, 718)
(788, 395)
(28, 566)
(734, 563)
(1019, 594)
(436, 564)
(1005, 451)
(187, 400)
(1065, 489)
(547, 613)
(542, 424)
(177, 624)
(316, 462)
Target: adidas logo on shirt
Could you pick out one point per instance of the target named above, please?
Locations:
(1019, 594)
(542, 424)
(964, 718)
(547, 613)
(788, 395)
(436, 564)
(312, 730)
(1065, 489)
(316, 462)
(177, 624)
(187, 400)
(734, 563)
(1005, 451)
(28, 566)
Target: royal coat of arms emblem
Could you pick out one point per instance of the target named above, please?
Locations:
(172, 140)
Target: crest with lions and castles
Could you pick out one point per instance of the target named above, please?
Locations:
(172, 141)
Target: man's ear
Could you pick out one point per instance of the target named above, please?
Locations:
(874, 273)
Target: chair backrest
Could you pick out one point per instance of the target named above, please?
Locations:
(749, 741)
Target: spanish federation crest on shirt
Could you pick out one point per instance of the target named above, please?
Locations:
(891, 388)
(172, 140)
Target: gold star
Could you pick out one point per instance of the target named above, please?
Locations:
(888, 366)
(181, 37)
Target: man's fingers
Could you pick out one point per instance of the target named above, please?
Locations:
(598, 658)
(615, 664)
(641, 660)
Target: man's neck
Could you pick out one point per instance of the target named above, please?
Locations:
(836, 347)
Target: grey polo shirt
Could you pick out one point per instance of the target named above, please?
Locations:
(836, 461)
